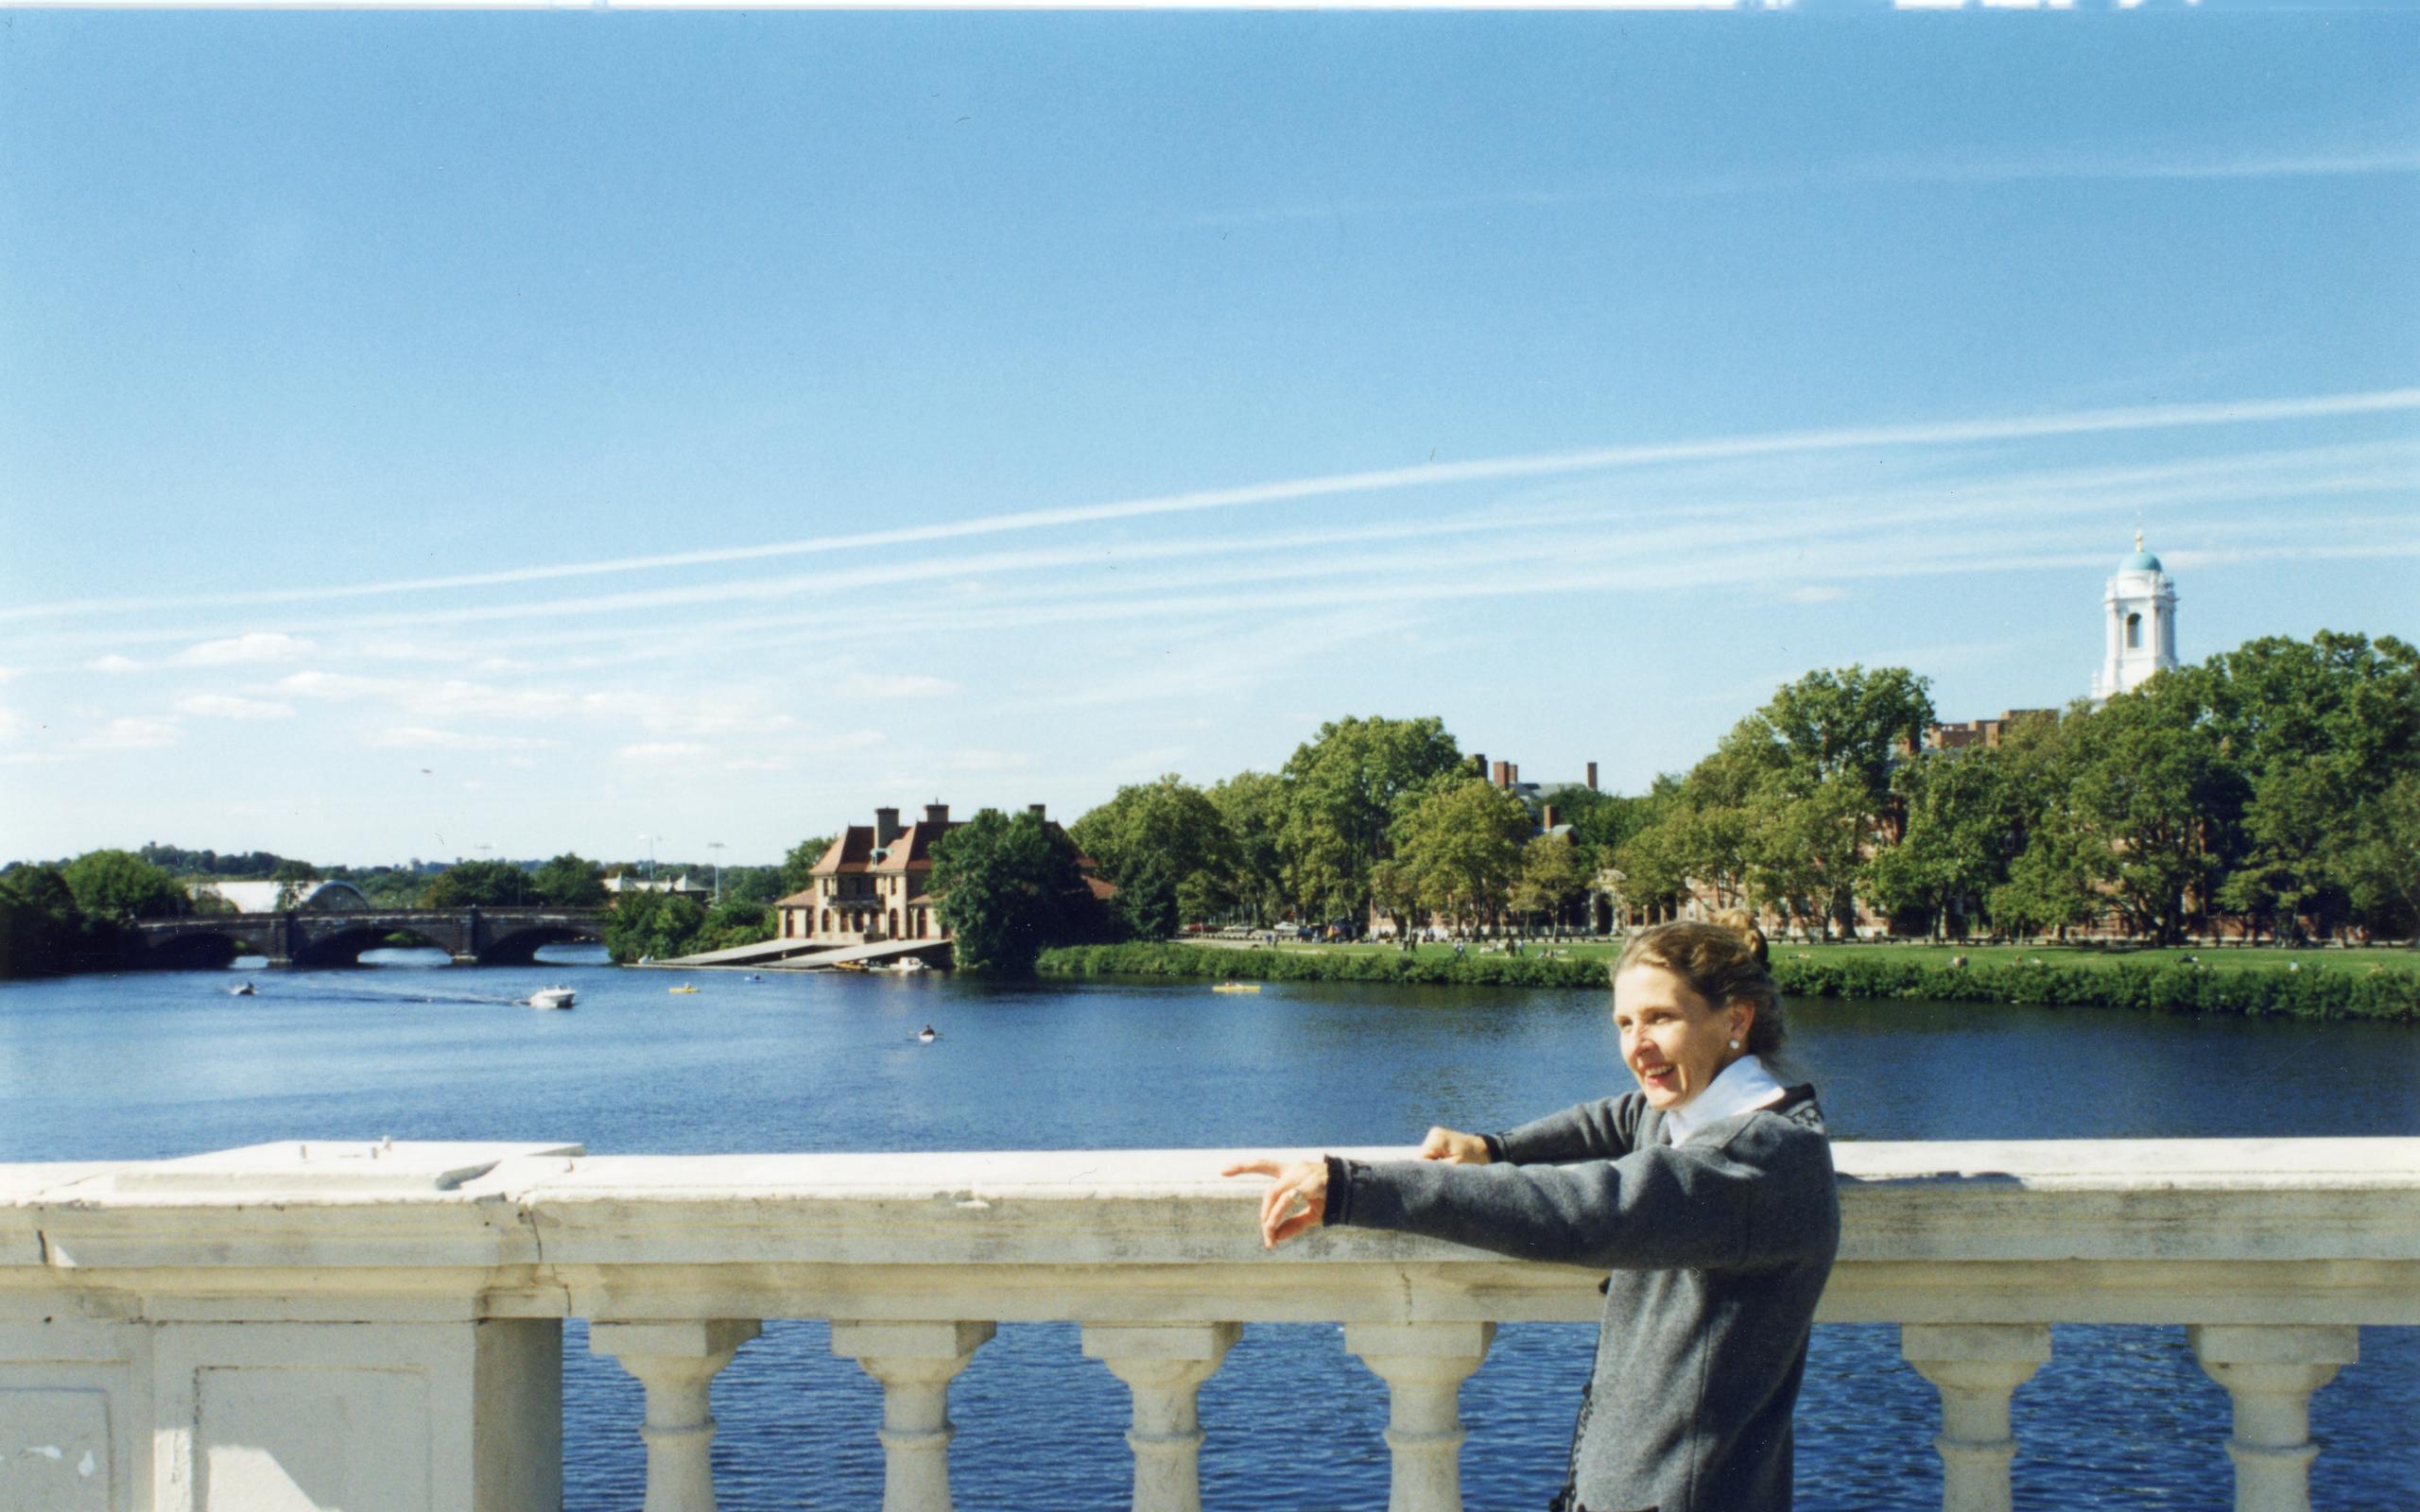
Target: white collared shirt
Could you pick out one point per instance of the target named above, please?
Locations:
(1743, 1085)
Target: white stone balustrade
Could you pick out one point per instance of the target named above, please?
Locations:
(1163, 1366)
(378, 1328)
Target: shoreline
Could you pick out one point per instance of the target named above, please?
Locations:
(2329, 990)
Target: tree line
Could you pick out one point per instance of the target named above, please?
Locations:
(2274, 789)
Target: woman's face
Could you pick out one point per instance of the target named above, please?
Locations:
(1672, 1040)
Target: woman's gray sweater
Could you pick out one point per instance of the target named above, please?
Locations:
(1719, 1250)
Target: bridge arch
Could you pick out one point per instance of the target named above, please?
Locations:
(521, 945)
(343, 947)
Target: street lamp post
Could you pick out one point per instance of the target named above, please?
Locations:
(717, 846)
(651, 840)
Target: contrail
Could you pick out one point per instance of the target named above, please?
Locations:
(2148, 417)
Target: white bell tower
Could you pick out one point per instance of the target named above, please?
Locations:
(2139, 611)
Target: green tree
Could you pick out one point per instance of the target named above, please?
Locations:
(657, 925)
(1343, 790)
(2381, 864)
(43, 932)
(480, 884)
(120, 888)
(1815, 764)
(733, 922)
(1553, 875)
(1254, 806)
(1009, 888)
(1170, 830)
(1963, 827)
(1459, 846)
(569, 881)
(2151, 787)
(2315, 730)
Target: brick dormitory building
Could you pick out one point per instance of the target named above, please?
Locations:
(874, 883)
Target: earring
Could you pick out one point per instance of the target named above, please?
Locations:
(1735, 1044)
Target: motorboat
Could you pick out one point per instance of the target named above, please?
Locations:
(910, 963)
(552, 997)
(683, 988)
(241, 990)
(927, 1035)
(755, 976)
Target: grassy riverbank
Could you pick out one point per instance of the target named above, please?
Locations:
(2304, 985)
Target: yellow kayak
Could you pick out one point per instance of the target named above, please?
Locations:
(1236, 987)
(685, 988)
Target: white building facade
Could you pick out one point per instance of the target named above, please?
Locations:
(2138, 617)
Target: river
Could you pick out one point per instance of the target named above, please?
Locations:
(139, 1067)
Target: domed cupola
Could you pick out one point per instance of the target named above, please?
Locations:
(2138, 614)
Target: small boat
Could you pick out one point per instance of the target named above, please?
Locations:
(927, 1035)
(241, 990)
(850, 965)
(552, 997)
(683, 988)
(1236, 987)
(755, 976)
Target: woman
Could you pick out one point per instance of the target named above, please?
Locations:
(1708, 1193)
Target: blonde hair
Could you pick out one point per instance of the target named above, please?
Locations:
(1723, 961)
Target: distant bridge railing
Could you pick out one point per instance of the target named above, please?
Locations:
(378, 1328)
(473, 935)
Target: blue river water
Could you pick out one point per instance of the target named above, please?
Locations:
(139, 1067)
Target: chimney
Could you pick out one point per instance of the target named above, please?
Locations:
(885, 826)
(1502, 777)
(1512, 773)
(1546, 819)
(1035, 809)
(1479, 762)
(1592, 777)
(937, 815)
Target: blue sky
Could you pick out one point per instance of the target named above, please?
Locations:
(426, 432)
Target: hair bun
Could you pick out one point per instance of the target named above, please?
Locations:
(1743, 924)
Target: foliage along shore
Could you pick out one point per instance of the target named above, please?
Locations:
(2328, 990)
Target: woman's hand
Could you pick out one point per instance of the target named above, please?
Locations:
(1454, 1147)
(1295, 1201)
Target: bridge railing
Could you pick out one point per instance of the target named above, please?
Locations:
(379, 1327)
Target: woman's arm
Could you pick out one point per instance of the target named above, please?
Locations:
(1602, 1130)
(1657, 1207)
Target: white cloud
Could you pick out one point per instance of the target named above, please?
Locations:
(756, 764)
(114, 663)
(662, 751)
(873, 685)
(11, 723)
(256, 645)
(423, 737)
(133, 734)
(1918, 435)
(1817, 594)
(227, 706)
(329, 684)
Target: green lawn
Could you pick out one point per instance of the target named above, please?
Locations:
(2223, 958)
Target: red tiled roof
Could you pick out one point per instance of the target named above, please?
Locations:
(852, 852)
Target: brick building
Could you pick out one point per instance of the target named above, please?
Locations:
(874, 883)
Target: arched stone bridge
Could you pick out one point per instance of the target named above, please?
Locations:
(473, 936)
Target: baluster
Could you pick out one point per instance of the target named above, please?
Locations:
(1977, 1366)
(1424, 1365)
(2271, 1370)
(1163, 1366)
(676, 1363)
(915, 1363)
